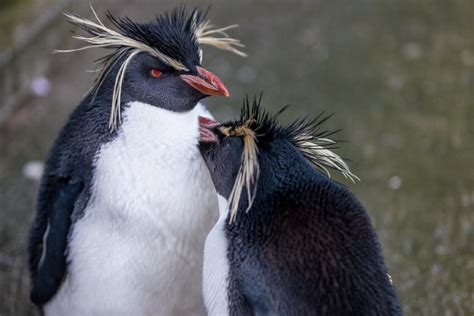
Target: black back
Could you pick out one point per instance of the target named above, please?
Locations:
(306, 246)
(64, 193)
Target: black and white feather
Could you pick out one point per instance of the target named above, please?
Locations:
(173, 37)
(256, 127)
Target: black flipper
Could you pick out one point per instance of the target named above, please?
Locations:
(49, 268)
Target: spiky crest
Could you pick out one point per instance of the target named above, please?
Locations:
(257, 125)
(173, 38)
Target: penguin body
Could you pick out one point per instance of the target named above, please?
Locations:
(305, 246)
(134, 248)
(126, 201)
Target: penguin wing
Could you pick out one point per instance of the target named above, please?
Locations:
(48, 238)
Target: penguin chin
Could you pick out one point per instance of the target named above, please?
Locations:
(207, 150)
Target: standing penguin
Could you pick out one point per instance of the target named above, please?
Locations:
(126, 200)
(289, 241)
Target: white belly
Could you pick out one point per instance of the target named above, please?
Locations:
(138, 250)
(216, 266)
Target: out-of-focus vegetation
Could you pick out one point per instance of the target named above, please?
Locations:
(399, 76)
(6, 3)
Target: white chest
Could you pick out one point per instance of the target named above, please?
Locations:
(138, 248)
(216, 266)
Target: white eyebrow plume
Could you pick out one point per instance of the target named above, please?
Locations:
(100, 36)
(205, 30)
(315, 150)
(305, 135)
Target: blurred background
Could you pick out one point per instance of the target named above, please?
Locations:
(398, 76)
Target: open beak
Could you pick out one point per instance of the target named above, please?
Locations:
(205, 130)
(207, 83)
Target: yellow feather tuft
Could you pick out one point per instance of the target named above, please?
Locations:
(205, 32)
(249, 169)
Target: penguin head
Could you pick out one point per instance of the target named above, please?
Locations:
(157, 63)
(149, 80)
(233, 151)
(222, 154)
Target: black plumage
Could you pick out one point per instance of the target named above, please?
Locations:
(172, 33)
(53, 266)
(64, 193)
(306, 246)
(66, 185)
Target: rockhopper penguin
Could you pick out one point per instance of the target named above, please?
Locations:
(289, 240)
(126, 200)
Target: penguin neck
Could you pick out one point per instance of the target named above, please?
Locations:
(154, 130)
(279, 164)
(153, 162)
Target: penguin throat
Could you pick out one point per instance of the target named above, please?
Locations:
(152, 130)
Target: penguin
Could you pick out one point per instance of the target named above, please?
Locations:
(289, 240)
(126, 201)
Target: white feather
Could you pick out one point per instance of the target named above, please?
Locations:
(138, 249)
(216, 266)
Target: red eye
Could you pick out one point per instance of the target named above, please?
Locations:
(155, 73)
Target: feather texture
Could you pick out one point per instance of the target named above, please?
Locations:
(204, 34)
(173, 38)
(257, 127)
(248, 171)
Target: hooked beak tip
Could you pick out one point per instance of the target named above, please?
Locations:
(206, 83)
(226, 93)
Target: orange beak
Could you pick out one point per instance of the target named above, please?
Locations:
(207, 83)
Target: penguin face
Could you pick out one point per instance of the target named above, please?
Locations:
(234, 151)
(223, 159)
(149, 80)
(156, 63)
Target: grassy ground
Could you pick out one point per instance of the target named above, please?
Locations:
(399, 77)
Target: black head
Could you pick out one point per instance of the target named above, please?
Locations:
(172, 33)
(234, 150)
(158, 63)
(151, 81)
(223, 159)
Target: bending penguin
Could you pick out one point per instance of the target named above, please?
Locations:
(289, 240)
(124, 204)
